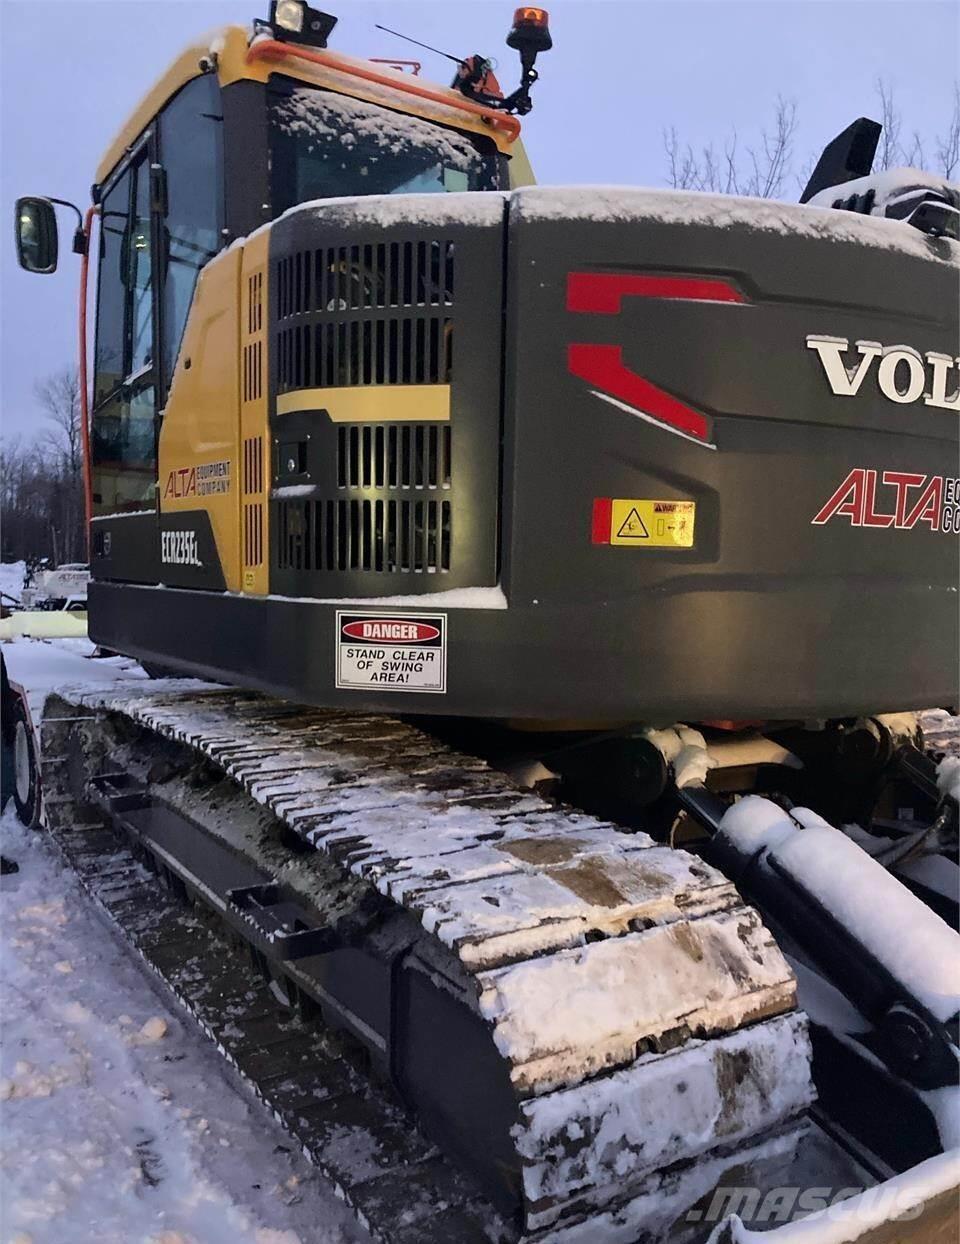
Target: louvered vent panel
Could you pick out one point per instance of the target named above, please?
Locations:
(327, 336)
(389, 536)
(253, 464)
(358, 278)
(253, 481)
(253, 349)
(394, 456)
(366, 499)
(252, 535)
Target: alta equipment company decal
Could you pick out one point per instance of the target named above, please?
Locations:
(899, 499)
(392, 652)
(200, 481)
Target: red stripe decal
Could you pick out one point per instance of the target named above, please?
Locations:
(602, 513)
(603, 367)
(602, 293)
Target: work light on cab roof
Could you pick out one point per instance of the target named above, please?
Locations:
(292, 21)
(296, 22)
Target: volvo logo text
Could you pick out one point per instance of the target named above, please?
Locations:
(901, 373)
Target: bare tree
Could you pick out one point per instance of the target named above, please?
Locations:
(889, 151)
(948, 144)
(59, 395)
(759, 170)
(894, 150)
(41, 481)
(765, 169)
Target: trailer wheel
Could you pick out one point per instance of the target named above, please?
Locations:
(26, 776)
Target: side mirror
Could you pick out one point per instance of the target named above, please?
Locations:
(36, 233)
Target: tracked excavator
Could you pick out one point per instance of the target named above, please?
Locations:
(546, 795)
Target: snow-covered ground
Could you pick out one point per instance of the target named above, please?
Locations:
(118, 1122)
(11, 580)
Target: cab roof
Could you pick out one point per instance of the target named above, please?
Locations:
(233, 57)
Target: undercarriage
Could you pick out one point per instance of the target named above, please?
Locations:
(592, 1028)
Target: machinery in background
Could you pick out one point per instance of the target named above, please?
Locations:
(57, 588)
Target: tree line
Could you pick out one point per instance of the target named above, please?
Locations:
(41, 480)
(767, 168)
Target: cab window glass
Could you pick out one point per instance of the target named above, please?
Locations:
(124, 415)
(111, 290)
(190, 153)
(324, 145)
(140, 272)
(124, 452)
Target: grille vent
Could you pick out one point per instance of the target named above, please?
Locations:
(351, 338)
(253, 535)
(253, 464)
(253, 371)
(355, 352)
(387, 536)
(361, 278)
(253, 351)
(253, 511)
(394, 456)
(254, 303)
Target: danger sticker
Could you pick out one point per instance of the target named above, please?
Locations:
(644, 523)
(389, 652)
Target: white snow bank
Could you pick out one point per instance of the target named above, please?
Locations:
(11, 580)
(689, 207)
(919, 949)
(118, 1123)
(852, 1220)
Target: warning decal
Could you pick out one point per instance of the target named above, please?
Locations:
(644, 524)
(392, 652)
(633, 527)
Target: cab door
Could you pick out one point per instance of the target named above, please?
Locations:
(161, 221)
(124, 419)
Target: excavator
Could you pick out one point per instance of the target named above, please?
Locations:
(546, 791)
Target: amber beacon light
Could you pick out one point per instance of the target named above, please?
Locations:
(531, 31)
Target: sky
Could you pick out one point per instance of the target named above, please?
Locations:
(620, 72)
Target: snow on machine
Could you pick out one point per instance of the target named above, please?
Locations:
(423, 475)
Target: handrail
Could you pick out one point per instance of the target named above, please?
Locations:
(82, 375)
(273, 49)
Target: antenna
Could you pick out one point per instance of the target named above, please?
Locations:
(457, 60)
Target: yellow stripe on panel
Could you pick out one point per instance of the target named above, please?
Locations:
(386, 403)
